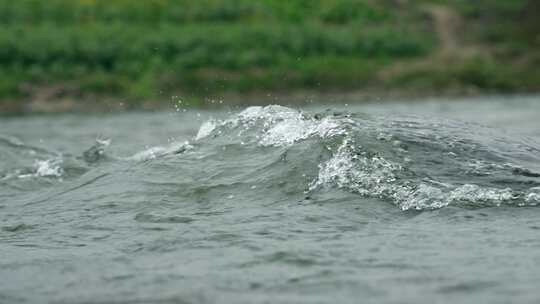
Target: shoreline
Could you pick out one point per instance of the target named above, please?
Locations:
(106, 104)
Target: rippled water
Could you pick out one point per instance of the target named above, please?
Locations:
(403, 202)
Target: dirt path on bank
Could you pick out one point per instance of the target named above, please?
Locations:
(447, 23)
(448, 26)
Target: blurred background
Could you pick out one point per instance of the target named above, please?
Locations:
(60, 55)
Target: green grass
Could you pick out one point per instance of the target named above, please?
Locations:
(140, 50)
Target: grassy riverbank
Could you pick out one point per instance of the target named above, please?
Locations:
(147, 51)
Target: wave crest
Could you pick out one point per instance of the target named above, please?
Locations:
(413, 162)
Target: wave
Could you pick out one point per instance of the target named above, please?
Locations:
(413, 162)
(416, 163)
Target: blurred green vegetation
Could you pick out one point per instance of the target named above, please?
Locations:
(152, 49)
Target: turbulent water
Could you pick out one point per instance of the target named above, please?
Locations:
(420, 203)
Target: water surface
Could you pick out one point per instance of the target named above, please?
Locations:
(416, 202)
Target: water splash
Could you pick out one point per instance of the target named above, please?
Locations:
(273, 125)
(416, 164)
(46, 168)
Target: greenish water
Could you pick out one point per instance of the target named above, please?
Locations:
(417, 202)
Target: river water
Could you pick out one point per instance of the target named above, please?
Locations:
(403, 202)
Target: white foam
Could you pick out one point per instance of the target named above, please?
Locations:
(275, 125)
(533, 196)
(358, 171)
(205, 129)
(374, 176)
(368, 176)
(46, 168)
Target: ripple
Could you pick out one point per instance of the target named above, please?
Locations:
(162, 219)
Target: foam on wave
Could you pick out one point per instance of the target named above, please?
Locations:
(374, 158)
(415, 163)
